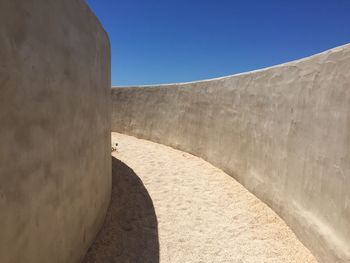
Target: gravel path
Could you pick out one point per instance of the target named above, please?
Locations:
(170, 206)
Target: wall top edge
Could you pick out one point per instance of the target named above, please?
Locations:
(332, 50)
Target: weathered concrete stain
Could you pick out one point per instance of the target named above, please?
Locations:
(283, 132)
(55, 166)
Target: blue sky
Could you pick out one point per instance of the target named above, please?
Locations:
(166, 41)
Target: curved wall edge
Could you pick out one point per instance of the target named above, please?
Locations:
(283, 132)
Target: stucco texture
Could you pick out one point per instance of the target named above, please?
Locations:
(283, 132)
(55, 164)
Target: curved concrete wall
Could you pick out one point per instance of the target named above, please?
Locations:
(283, 132)
(55, 164)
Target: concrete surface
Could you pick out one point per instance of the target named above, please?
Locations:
(169, 206)
(283, 132)
(55, 165)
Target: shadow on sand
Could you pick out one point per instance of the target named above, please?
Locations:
(130, 231)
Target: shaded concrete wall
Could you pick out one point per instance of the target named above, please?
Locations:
(55, 164)
(283, 132)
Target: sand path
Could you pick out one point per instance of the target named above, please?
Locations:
(170, 206)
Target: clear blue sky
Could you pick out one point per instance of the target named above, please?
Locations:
(166, 41)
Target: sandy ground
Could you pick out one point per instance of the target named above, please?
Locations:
(170, 206)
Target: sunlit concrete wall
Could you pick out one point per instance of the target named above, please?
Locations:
(55, 164)
(283, 132)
